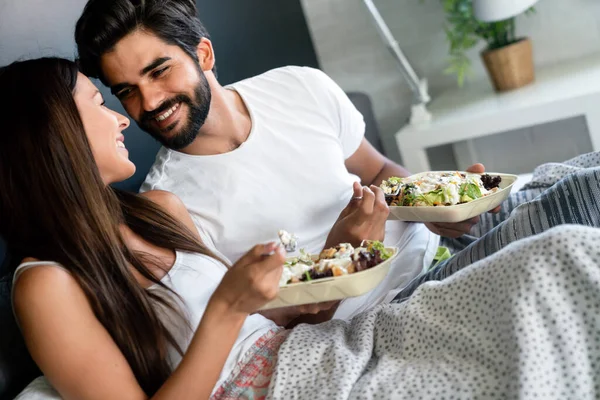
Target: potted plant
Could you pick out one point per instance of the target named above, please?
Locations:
(508, 58)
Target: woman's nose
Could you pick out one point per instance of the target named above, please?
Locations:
(123, 121)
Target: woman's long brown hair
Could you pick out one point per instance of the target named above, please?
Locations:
(54, 206)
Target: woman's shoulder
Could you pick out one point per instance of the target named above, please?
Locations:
(28, 263)
(37, 281)
(34, 275)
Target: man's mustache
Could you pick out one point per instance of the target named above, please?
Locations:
(167, 104)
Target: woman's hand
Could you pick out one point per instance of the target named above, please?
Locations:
(253, 281)
(364, 218)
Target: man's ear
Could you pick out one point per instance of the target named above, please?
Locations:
(206, 54)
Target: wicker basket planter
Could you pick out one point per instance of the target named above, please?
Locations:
(510, 67)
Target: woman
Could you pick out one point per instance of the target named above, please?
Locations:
(115, 250)
(118, 297)
(127, 274)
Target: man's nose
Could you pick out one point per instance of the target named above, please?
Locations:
(152, 98)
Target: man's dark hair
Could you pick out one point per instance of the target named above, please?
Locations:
(105, 22)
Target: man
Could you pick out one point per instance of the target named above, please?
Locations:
(278, 151)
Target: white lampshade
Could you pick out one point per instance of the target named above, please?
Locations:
(499, 10)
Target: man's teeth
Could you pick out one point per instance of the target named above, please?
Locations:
(120, 144)
(167, 113)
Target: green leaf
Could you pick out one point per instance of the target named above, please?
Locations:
(377, 245)
(408, 199)
(442, 253)
(473, 191)
(459, 65)
(430, 198)
(307, 275)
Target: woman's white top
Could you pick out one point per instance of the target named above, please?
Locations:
(194, 277)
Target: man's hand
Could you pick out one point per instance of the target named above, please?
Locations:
(363, 218)
(457, 229)
(283, 316)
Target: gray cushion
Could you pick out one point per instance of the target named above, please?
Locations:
(39, 389)
(362, 102)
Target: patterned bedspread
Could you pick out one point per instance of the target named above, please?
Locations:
(521, 324)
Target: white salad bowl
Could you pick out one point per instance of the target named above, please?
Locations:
(459, 212)
(332, 288)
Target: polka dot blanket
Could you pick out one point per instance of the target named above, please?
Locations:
(523, 323)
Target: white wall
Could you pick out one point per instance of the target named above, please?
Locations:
(37, 28)
(351, 51)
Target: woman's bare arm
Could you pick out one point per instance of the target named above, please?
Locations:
(80, 358)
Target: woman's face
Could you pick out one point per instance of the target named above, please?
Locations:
(103, 128)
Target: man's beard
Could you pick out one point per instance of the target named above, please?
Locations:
(197, 114)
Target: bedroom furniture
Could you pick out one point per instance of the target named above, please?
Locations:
(561, 91)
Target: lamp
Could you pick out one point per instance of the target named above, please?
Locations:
(499, 10)
(419, 112)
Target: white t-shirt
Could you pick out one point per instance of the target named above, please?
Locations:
(289, 174)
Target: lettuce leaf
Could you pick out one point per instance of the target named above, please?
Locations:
(470, 189)
(377, 245)
(431, 198)
(473, 191)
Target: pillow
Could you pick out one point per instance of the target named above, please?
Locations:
(39, 389)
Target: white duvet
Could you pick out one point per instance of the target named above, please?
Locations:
(521, 324)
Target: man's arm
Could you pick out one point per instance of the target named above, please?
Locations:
(371, 166)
